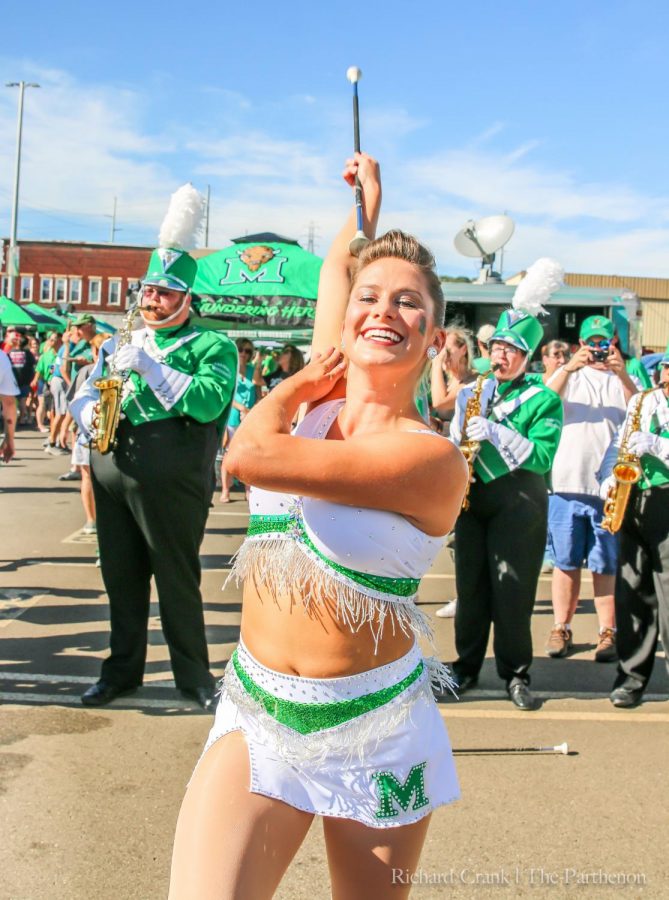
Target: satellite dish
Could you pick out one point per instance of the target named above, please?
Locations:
(483, 239)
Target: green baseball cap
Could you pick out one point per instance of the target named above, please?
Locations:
(520, 329)
(597, 325)
(171, 268)
(84, 319)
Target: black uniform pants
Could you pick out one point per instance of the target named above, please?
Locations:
(152, 496)
(642, 585)
(499, 550)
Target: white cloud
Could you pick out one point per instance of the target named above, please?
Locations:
(85, 144)
(494, 182)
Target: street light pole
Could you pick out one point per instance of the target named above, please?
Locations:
(12, 262)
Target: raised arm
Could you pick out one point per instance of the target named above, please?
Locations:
(335, 278)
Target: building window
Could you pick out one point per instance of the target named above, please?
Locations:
(4, 287)
(94, 291)
(46, 289)
(75, 290)
(114, 295)
(26, 288)
(61, 290)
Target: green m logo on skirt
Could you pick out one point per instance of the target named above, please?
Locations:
(390, 789)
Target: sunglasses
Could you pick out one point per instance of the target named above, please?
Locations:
(248, 350)
(602, 345)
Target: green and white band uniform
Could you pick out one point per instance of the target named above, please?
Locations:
(500, 538)
(642, 578)
(153, 491)
(529, 420)
(190, 373)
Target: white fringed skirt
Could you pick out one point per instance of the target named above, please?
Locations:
(370, 747)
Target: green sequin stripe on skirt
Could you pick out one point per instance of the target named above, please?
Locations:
(267, 525)
(307, 718)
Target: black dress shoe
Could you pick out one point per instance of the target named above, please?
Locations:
(465, 682)
(520, 695)
(206, 697)
(104, 692)
(626, 697)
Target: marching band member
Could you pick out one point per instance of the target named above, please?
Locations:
(500, 538)
(642, 578)
(326, 707)
(152, 493)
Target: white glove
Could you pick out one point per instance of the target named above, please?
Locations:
(480, 429)
(512, 446)
(168, 384)
(642, 442)
(605, 486)
(135, 358)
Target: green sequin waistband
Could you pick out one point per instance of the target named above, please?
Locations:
(307, 718)
(268, 525)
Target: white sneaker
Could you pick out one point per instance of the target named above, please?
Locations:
(89, 528)
(447, 611)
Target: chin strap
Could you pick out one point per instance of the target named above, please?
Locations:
(175, 315)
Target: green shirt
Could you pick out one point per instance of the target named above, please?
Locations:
(636, 369)
(45, 365)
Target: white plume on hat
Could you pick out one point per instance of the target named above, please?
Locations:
(541, 280)
(184, 219)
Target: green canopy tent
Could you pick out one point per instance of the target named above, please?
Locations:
(12, 313)
(264, 286)
(50, 320)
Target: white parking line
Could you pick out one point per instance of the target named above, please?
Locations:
(29, 677)
(61, 700)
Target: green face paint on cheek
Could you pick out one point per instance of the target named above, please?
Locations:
(422, 325)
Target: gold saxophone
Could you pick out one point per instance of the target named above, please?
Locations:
(626, 471)
(108, 408)
(469, 448)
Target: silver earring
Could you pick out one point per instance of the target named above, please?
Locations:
(432, 352)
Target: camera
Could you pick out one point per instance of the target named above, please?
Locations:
(599, 355)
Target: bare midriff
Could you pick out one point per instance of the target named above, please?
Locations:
(284, 635)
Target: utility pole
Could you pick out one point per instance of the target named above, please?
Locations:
(113, 223)
(13, 267)
(113, 229)
(206, 221)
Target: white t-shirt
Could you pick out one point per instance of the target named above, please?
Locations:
(594, 407)
(8, 385)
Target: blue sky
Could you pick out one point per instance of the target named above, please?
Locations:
(554, 113)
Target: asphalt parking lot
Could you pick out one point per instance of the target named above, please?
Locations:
(90, 798)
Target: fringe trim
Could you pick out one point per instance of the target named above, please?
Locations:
(350, 742)
(285, 566)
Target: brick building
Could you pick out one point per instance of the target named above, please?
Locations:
(93, 278)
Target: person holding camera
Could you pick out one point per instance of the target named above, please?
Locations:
(595, 389)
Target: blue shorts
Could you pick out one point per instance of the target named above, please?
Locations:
(575, 539)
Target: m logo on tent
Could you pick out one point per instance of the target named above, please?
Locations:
(259, 263)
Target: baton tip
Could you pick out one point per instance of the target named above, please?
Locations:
(358, 242)
(353, 73)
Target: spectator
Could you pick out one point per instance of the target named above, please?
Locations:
(553, 355)
(451, 371)
(595, 389)
(481, 364)
(43, 375)
(290, 361)
(9, 390)
(23, 367)
(247, 392)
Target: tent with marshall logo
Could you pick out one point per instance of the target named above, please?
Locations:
(263, 286)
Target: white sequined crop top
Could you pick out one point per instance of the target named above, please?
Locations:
(370, 560)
